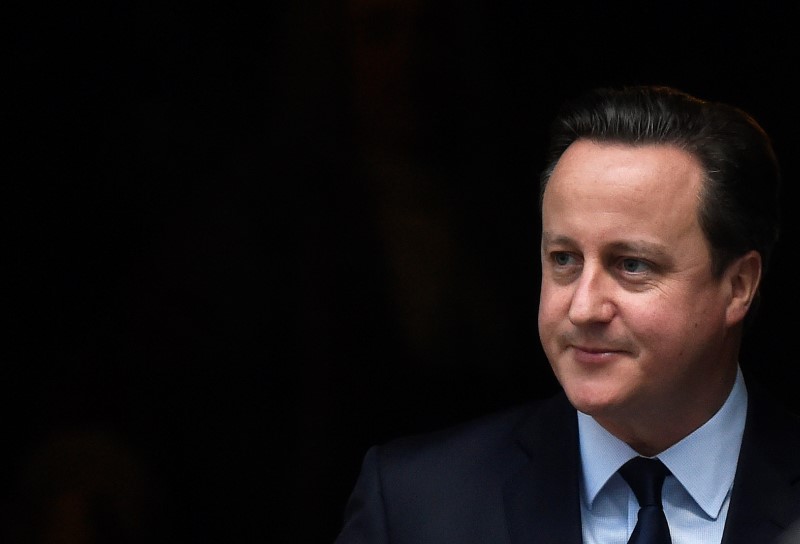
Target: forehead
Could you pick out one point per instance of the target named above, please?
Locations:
(630, 173)
(646, 191)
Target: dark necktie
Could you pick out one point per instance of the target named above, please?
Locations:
(646, 476)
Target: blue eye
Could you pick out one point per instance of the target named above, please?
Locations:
(634, 266)
(561, 258)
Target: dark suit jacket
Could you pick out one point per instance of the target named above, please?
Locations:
(512, 478)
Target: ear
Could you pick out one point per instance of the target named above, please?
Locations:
(743, 276)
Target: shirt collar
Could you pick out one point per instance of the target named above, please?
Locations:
(704, 462)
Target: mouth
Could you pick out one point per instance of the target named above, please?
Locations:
(593, 349)
(594, 355)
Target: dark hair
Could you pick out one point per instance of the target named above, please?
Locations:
(739, 208)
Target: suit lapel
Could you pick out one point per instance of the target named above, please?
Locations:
(766, 491)
(541, 499)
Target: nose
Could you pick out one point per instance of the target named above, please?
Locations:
(592, 299)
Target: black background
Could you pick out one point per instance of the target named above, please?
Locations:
(244, 244)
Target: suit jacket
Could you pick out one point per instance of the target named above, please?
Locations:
(512, 478)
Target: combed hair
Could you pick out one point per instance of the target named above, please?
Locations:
(739, 209)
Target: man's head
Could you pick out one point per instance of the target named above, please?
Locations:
(659, 213)
(739, 208)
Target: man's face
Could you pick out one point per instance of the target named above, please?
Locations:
(630, 316)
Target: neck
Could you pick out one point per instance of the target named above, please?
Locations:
(654, 429)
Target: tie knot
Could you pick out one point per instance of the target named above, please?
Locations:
(645, 477)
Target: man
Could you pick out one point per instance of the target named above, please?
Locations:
(659, 215)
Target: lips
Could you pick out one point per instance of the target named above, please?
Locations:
(593, 355)
(593, 349)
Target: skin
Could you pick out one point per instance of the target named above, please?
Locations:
(638, 331)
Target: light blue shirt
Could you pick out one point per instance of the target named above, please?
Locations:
(695, 496)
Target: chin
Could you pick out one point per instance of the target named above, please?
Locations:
(591, 399)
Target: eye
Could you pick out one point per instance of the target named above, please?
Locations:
(562, 258)
(634, 266)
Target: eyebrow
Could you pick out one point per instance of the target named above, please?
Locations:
(635, 247)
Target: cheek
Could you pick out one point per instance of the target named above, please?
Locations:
(660, 328)
(680, 330)
(553, 308)
(546, 303)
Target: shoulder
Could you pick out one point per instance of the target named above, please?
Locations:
(767, 416)
(486, 446)
(771, 427)
(767, 484)
(453, 481)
